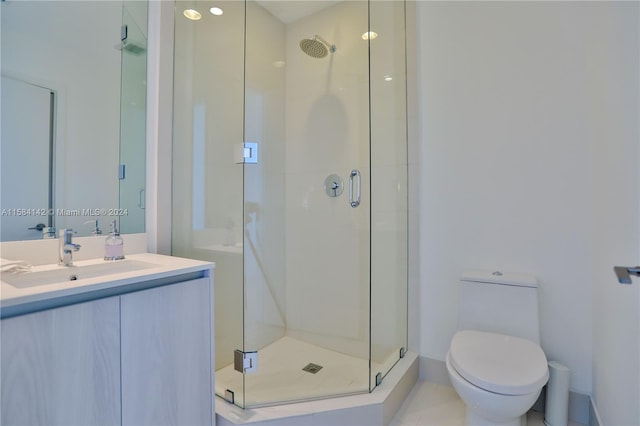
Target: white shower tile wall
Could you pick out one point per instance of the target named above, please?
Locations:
(327, 132)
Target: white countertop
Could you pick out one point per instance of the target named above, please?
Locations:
(162, 267)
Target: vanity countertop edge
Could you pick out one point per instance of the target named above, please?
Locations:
(170, 269)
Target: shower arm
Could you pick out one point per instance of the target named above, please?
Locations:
(332, 47)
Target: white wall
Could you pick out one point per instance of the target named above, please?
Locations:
(511, 131)
(158, 212)
(616, 307)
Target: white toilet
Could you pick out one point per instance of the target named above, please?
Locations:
(495, 362)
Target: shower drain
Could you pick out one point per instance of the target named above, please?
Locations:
(312, 368)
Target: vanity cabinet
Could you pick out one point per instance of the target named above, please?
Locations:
(167, 355)
(140, 358)
(62, 366)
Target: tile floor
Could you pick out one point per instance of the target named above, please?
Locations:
(431, 404)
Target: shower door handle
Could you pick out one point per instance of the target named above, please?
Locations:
(354, 180)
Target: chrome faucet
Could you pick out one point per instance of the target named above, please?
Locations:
(96, 227)
(66, 247)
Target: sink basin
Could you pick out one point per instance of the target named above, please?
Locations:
(59, 274)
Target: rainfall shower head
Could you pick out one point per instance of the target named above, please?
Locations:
(316, 47)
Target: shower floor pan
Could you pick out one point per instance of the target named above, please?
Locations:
(281, 375)
(277, 381)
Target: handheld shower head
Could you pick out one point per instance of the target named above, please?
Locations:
(316, 46)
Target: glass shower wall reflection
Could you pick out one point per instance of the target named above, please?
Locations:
(133, 109)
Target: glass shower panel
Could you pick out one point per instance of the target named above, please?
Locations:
(208, 218)
(307, 254)
(389, 187)
(264, 196)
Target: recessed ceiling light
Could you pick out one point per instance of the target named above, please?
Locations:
(192, 14)
(216, 11)
(369, 35)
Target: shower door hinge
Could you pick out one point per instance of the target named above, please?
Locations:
(378, 379)
(246, 153)
(245, 362)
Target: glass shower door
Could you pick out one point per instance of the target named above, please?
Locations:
(306, 202)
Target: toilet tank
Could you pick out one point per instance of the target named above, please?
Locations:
(499, 302)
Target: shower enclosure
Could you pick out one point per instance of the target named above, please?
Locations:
(290, 173)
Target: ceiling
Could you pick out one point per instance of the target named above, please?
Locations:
(288, 11)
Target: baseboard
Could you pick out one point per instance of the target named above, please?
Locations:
(581, 407)
(594, 416)
(434, 371)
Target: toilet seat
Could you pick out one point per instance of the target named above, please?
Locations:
(499, 363)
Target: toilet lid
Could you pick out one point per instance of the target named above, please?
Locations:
(499, 363)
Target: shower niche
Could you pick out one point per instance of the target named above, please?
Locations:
(311, 289)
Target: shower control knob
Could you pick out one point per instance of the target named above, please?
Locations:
(333, 185)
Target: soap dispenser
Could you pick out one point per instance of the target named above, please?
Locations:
(114, 244)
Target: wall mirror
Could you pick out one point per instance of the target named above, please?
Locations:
(73, 117)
